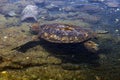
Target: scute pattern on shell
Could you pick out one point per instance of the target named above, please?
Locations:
(65, 33)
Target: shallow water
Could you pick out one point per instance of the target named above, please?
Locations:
(21, 58)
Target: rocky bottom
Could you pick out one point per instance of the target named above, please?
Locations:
(23, 59)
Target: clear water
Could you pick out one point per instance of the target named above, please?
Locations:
(59, 61)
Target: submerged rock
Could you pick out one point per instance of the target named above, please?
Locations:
(30, 12)
(3, 1)
(8, 8)
(39, 3)
(112, 3)
(102, 32)
(88, 17)
(11, 14)
(108, 3)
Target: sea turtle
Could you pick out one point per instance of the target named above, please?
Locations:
(66, 33)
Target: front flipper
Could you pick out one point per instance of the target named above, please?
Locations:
(91, 46)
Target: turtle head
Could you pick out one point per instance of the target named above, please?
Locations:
(35, 28)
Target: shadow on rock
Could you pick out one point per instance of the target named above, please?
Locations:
(74, 53)
(23, 48)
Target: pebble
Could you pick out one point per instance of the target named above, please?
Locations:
(5, 37)
(4, 72)
(116, 30)
(118, 59)
(116, 20)
(27, 57)
(97, 78)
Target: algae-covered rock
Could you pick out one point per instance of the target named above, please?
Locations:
(3, 20)
(13, 36)
(13, 21)
(6, 8)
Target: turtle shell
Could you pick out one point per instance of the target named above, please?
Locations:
(65, 33)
